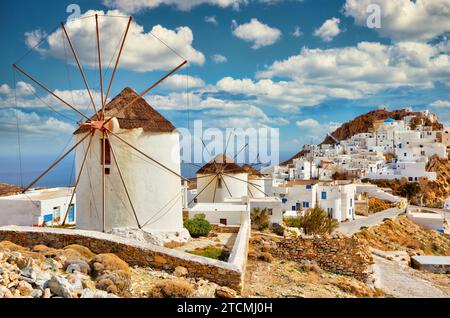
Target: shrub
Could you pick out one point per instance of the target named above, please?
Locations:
(293, 222)
(266, 257)
(409, 190)
(278, 230)
(198, 226)
(316, 221)
(171, 289)
(211, 251)
(260, 218)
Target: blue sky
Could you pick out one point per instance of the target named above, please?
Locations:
(305, 83)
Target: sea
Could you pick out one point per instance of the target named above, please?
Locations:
(24, 171)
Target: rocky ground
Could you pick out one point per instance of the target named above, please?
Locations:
(396, 278)
(401, 234)
(76, 272)
(279, 278)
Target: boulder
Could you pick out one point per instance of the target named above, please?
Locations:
(77, 265)
(108, 262)
(5, 292)
(60, 286)
(225, 292)
(180, 271)
(24, 288)
(82, 250)
(37, 293)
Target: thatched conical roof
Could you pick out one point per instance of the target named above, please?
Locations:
(221, 163)
(138, 115)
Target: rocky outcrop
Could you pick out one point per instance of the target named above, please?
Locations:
(365, 123)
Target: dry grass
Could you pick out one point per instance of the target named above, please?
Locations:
(403, 234)
(171, 289)
(84, 251)
(292, 279)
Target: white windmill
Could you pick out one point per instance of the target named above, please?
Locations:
(127, 159)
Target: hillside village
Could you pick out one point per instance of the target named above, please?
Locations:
(321, 212)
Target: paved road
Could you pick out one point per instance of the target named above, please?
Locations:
(354, 226)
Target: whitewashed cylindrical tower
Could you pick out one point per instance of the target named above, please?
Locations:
(155, 193)
(221, 178)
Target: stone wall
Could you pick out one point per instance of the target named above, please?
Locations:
(338, 254)
(132, 252)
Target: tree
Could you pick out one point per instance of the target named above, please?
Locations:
(198, 226)
(314, 221)
(260, 218)
(409, 190)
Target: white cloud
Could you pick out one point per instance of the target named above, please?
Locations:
(328, 30)
(219, 58)
(366, 69)
(211, 19)
(401, 20)
(314, 131)
(31, 124)
(297, 32)
(258, 33)
(142, 51)
(307, 123)
(134, 6)
(440, 103)
(25, 98)
(284, 95)
(180, 81)
(21, 89)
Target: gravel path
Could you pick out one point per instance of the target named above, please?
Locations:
(402, 281)
(354, 226)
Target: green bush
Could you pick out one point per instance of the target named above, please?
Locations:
(198, 226)
(409, 190)
(278, 230)
(293, 222)
(314, 221)
(211, 251)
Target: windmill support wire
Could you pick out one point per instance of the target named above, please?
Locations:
(56, 162)
(121, 110)
(79, 66)
(250, 183)
(117, 63)
(145, 155)
(123, 183)
(202, 190)
(100, 123)
(99, 53)
(49, 91)
(79, 176)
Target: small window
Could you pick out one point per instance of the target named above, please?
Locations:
(308, 187)
(219, 183)
(107, 171)
(223, 221)
(324, 195)
(270, 211)
(107, 152)
(56, 213)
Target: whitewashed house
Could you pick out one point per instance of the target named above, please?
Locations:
(44, 207)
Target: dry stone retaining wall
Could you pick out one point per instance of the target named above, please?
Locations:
(132, 252)
(343, 255)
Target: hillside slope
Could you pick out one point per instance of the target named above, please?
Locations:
(364, 123)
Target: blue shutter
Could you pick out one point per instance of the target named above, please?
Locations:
(324, 195)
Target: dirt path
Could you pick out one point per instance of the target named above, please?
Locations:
(404, 282)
